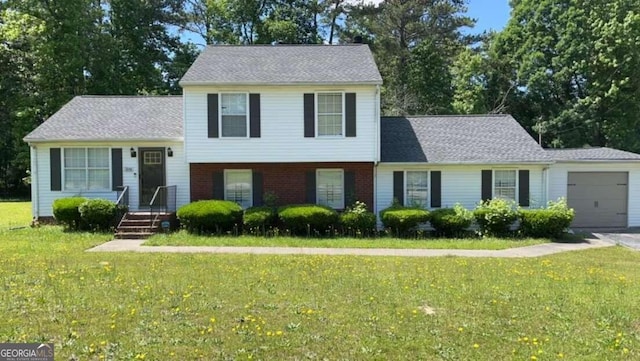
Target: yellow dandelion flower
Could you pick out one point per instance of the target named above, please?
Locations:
(278, 333)
(460, 329)
(475, 345)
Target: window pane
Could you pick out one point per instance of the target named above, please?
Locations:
(234, 104)
(505, 184)
(329, 114)
(98, 179)
(234, 126)
(75, 179)
(98, 157)
(238, 188)
(330, 188)
(417, 188)
(74, 157)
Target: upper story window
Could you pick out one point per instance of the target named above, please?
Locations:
(238, 187)
(417, 188)
(86, 169)
(504, 184)
(233, 114)
(330, 114)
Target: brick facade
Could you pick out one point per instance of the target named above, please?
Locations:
(285, 180)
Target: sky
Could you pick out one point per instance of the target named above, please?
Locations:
(490, 14)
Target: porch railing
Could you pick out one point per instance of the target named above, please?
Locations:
(122, 203)
(163, 201)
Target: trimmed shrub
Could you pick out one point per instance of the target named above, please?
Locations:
(98, 214)
(357, 220)
(259, 217)
(401, 220)
(210, 216)
(550, 222)
(65, 211)
(451, 222)
(303, 219)
(495, 217)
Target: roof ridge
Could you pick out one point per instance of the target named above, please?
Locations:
(128, 96)
(283, 45)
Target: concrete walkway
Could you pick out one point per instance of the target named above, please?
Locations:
(125, 245)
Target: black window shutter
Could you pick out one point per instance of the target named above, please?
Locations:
(218, 185)
(257, 189)
(56, 169)
(436, 192)
(309, 116)
(398, 186)
(212, 115)
(311, 187)
(350, 114)
(349, 188)
(254, 115)
(116, 168)
(487, 184)
(523, 188)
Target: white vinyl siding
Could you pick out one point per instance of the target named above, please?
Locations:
(86, 169)
(330, 114)
(505, 184)
(238, 187)
(233, 114)
(177, 174)
(417, 189)
(281, 128)
(330, 188)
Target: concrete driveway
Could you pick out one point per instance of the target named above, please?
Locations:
(627, 237)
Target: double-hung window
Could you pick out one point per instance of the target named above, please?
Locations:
(330, 114)
(417, 188)
(234, 114)
(86, 169)
(330, 188)
(504, 184)
(238, 187)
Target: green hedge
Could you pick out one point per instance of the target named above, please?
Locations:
(357, 220)
(451, 222)
(495, 217)
(66, 212)
(550, 222)
(98, 214)
(210, 216)
(308, 219)
(401, 219)
(259, 217)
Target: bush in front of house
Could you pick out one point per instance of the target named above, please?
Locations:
(495, 217)
(308, 219)
(403, 219)
(451, 222)
(259, 218)
(98, 214)
(549, 222)
(66, 212)
(210, 216)
(357, 220)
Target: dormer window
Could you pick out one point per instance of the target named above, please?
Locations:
(233, 115)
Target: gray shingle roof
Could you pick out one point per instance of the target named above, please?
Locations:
(284, 64)
(591, 154)
(96, 118)
(475, 139)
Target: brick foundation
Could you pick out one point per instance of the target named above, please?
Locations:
(285, 180)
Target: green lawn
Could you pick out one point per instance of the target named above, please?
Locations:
(184, 239)
(14, 214)
(577, 305)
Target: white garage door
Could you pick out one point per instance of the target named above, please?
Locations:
(599, 198)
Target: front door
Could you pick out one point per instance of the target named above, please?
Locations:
(152, 173)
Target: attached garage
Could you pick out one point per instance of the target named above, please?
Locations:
(598, 198)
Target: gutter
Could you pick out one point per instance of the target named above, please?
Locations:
(464, 163)
(223, 84)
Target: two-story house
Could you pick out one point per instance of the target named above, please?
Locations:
(291, 124)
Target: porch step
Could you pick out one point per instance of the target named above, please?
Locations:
(139, 225)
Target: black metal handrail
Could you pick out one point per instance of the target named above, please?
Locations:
(122, 203)
(163, 200)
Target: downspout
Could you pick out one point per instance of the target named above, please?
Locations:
(378, 124)
(545, 173)
(35, 194)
